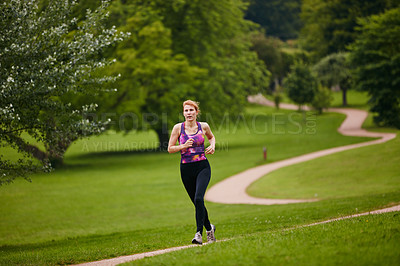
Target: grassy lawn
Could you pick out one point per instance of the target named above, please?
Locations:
(111, 199)
(362, 171)
(355, 99)
(367, 240)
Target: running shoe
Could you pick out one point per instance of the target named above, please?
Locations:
(211, 235)
(197, 239)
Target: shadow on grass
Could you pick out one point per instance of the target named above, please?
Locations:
(93, 159)
(87, 248)
(105, 154)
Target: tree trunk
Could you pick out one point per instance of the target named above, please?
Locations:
(56, 161)
(163, 138)
(344, 96)
(56, 153)
(276, 84)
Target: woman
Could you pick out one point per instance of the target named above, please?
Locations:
(195, 169)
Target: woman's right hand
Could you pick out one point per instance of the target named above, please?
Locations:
(188, 144)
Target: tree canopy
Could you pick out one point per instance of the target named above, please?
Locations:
(376, 53)
(279, 18)
(300, 84)
(329, 26)
(334, 71)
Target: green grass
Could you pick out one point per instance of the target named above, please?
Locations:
(362, 171)
(111, 200)
(231, 221)
(367, 240)
(355, 99)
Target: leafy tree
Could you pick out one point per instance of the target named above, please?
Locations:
(376, 54)
(268, 50)
(322, 98)
(46, 55)
(334, 70)
(279, 18)
(291, 55)
(329, 26)
(214, 36)
(300, 84)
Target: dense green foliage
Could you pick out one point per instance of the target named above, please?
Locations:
(300, 84)
(279, 18)
(376, 53)
(269, 50)
(46, 54)
(329, 26)
(322, 98)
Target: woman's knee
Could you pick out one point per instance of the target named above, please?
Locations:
(198, 201)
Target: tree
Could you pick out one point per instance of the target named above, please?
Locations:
(279, 18)
(329, 26)
(300, 84)
(277, 96)
(184, 49)
(45, 57)
(334, 71)
(376, 56)
(269, 51)
(214, 36)
(322, 98)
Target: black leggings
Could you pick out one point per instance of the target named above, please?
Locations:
(195, 177)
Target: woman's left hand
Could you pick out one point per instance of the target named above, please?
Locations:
(210, 149)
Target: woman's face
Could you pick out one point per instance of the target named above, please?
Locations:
(189, 112)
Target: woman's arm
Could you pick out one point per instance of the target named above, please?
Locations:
(210, 136)
(172, 147)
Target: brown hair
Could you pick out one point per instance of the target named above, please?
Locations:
(192, 103)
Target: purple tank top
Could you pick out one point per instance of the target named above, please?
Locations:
(196, 152)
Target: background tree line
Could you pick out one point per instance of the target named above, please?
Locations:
(343, 44)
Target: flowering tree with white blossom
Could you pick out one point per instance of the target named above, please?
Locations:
(47, 57)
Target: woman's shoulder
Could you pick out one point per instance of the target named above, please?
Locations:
(177, 126)
(204, 125)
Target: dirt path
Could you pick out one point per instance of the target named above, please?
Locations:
(233, 189)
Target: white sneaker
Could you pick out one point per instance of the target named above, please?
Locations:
(197, 239)
(211, 235)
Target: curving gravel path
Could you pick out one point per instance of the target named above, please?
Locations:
(233, 189)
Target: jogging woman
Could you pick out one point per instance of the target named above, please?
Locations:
(195, 169)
